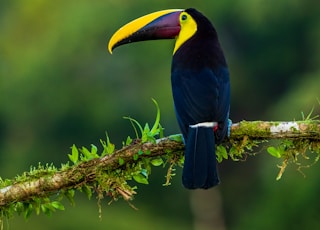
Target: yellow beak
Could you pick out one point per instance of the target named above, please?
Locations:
(164, 24)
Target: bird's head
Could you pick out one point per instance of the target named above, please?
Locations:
(165, 24)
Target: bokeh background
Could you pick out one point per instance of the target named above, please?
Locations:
(59, 86)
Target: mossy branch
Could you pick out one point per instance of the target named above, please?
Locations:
(85, 173)
(307, 129)
(108, 174)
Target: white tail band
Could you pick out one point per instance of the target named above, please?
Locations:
(204, 124)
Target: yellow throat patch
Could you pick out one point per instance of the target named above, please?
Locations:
(188, 29)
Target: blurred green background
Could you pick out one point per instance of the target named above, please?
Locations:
(59, 86)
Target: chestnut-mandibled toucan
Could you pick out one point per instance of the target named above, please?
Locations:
(200, 85)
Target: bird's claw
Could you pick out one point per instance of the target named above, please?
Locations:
(229, 127)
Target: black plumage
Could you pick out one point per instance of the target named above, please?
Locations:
(201, 92)
(200, 85)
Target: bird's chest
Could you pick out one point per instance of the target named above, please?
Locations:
(195, 94)
(200, 84)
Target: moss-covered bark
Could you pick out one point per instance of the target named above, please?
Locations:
(107, 174)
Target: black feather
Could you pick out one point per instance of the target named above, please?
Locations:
(201, 92)
(200, 170)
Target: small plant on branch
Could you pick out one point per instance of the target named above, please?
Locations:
(112, 173)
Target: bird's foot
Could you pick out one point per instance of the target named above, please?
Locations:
(229, 127)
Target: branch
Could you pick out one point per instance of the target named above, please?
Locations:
(309, 129)
(108, 173)
(85, 173)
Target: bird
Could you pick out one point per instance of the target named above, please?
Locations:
(200, 85)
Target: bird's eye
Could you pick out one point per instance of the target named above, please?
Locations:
(184, 17)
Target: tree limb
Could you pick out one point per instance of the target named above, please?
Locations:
(105, 174)
(309, 129)
(83, 173)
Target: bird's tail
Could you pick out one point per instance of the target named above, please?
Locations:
(200, 166)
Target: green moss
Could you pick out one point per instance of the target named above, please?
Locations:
(252, 129)
(114, 180)
(104, 182)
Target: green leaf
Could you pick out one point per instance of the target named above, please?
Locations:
(94, 151)
(145, 133)
(149, 138)
(161, 134)
(27, 210)
(87, 190)
(274, 152)
(133, 123)
(37, 206)
(19, 207)
(110, 147)
(233, 153)
(104, 145)
(121, 161)
(74, 156)
(140, 179)
(155, 128)
(70, 196)
(144, 172)
(176, 137)
(157, 161)
(135, 156)
(57, 205)
(128, 141)
(86, 153)
(47, 208)
(146, 128)
(221, 153)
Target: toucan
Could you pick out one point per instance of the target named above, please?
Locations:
(200, 85)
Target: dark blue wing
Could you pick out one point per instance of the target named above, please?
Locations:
(201, 96)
